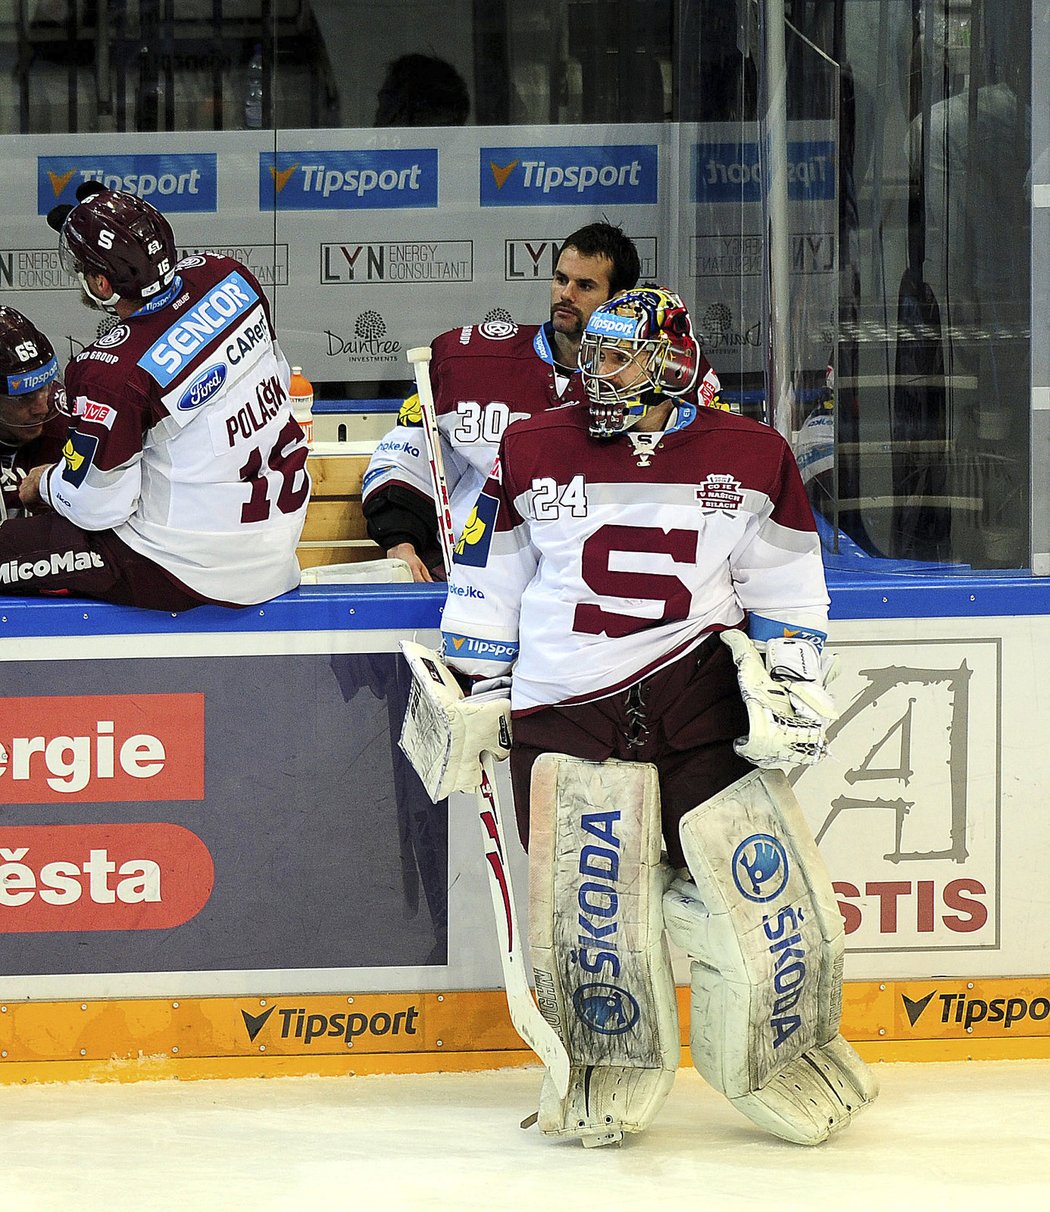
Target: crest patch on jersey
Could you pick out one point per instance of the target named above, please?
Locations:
(476, 539)
(78, 452)
(498, 330)
(719, 494)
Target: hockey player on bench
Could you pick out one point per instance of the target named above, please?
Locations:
(645, 574)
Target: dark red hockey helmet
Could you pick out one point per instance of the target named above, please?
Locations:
(119, 235)
(27, 357)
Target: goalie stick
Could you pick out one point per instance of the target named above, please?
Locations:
(420, 359)
(524, 1012)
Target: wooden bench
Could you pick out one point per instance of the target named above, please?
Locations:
(335, 526)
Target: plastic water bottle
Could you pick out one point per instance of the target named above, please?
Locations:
(253, 91)
(301, 392)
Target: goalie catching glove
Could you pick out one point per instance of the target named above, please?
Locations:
(788, 709)
(445, 732)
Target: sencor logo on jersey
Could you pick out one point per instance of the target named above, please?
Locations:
(476, 539)
(569, 176)
(220, 308)
(348, 180)
(183, 182)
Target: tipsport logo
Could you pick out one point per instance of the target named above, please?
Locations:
(176, 182)
(569, 176)
(732, 172)
(299, 1024)
(399, 179)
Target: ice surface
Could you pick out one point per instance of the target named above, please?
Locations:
(941, 1136)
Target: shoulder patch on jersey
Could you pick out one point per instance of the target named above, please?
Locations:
(78, 453)
(498, 330)
(92, 410)
(411, 413)
(476, 539)
(115, 336)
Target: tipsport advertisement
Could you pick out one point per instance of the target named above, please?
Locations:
(371, 242)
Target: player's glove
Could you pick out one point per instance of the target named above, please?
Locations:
(788, 709)
(445, 733)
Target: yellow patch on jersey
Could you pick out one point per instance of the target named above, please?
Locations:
(411, 413)
(74, 459)
(473, 532)
(476, 537)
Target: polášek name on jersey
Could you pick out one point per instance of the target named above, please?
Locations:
(221, 307)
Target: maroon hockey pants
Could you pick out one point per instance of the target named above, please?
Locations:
(683, 719)
(46, 554)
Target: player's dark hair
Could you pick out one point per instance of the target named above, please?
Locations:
(422, 90)
(608, 240)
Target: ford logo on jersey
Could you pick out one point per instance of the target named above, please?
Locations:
(206, 384)
(220, 308)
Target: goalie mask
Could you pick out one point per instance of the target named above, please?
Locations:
(119, 235)
(28, 368)
(637, 349)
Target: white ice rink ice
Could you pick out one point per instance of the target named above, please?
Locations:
(942, 1138)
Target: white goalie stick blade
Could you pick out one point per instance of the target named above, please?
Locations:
(524, 1013)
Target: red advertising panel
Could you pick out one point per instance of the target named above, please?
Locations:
(143, 876)
(101, 748)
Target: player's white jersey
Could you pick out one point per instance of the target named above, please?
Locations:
(483, 377)
(589, 564)
(184, 442)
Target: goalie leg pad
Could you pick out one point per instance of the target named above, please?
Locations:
(602, 967)
(760, 920)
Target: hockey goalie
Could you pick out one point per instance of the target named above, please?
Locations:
(643, 576)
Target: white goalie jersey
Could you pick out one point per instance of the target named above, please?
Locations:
(588, 564)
